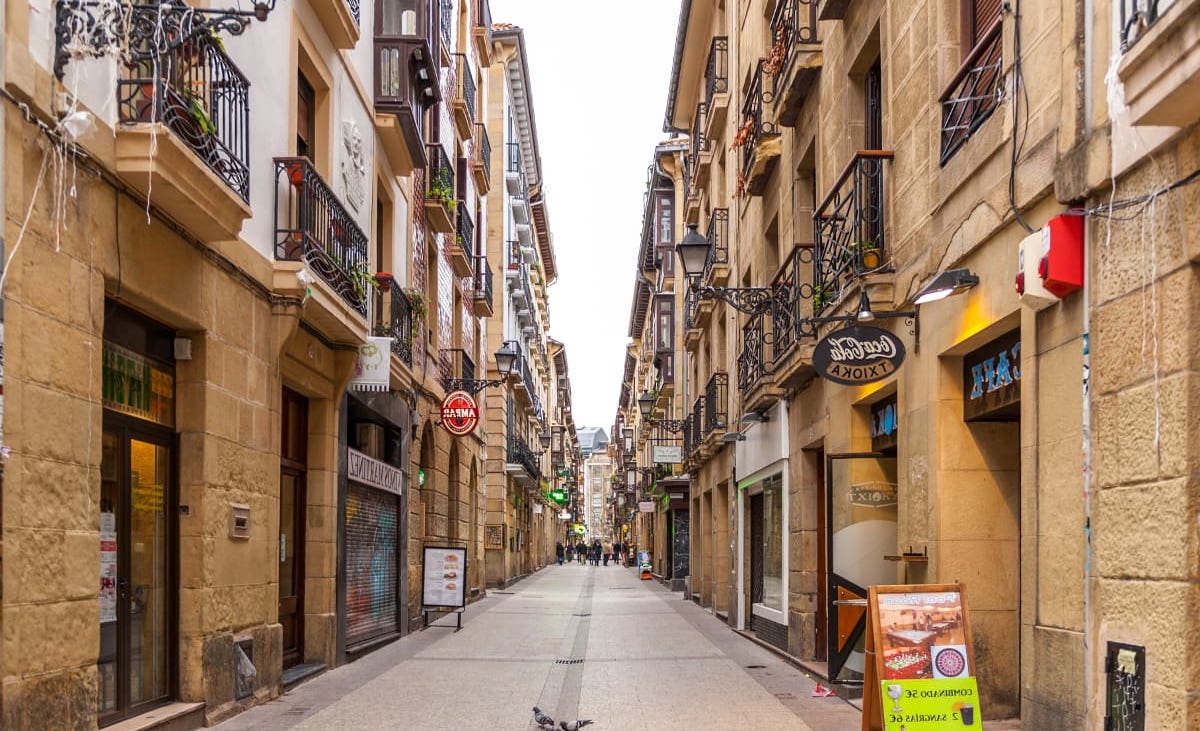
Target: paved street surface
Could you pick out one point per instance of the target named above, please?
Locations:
(577, 641)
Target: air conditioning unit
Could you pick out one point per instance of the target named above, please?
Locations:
(370, 440)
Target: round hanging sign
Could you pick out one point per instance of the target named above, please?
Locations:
(858, 354)
(460, 413)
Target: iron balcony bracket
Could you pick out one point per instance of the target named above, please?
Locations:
(471, 385)
(748, 300)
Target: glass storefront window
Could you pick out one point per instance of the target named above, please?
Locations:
(772, 533)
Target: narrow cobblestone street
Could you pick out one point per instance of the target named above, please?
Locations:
(641, 658)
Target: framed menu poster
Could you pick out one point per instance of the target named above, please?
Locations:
(443, 577)
(916, 632)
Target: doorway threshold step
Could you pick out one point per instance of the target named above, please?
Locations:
(171, 717)
(297, 674)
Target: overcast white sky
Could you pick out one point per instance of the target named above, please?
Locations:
(599, 84)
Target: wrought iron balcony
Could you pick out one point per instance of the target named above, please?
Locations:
(850, 228)
(752, 360)
(694, 430)
(481, 162)
(973, 93)
(1136, 18)
(716, 403)
(756, 134)
(201, 96)
(699, 145)
(793, 60)
(457, 366)
(716, 70)
(394, 318)
(446, 22)
(439, 190)
(519, 453)
(464, 95)
(718, 240)
(483, 295)
(312, 225)
(463, 252)
(481, 32)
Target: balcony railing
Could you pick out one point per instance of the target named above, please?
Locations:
(483, 281)
(483, 150)
(794, 21)
(718, 240)
(446, 22)
(394, 318)
(457, 364)
(784, 312)
(512, 259)
(695, 425)
(439, 177)
(974, 92)
(464, 89)
(483, 15)
(716, 71)
(716, 403)
(1136, 18)
(312, 225)
(752, 361)
(698, 143)
(465, 231)
(690, 304)
(850, 228)
(513, 157)
(755, 125)
(520, 453)
(201, 96)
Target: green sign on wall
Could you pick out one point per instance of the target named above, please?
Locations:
(132, 384)
(930, 704)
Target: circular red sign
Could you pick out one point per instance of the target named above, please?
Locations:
(460, 413)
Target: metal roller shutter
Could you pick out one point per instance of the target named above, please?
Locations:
(985, 13)
(371, 570)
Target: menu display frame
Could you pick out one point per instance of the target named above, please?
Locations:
(889, 612)
(436, 586)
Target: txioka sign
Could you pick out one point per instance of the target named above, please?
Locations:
(858, 354)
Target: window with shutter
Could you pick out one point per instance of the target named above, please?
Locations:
(980, 16)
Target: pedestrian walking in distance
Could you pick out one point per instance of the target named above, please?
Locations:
(560, 552)
(607, 551)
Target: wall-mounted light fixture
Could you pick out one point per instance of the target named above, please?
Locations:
(949, 282)
(506, 362)
(646, 403)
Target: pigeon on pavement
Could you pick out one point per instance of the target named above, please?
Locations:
(542, 719)
(574, 725)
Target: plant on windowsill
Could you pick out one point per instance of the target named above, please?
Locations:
(441, 191)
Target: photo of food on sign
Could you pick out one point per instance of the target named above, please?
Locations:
(923, 636)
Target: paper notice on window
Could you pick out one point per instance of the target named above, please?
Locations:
(108, 567)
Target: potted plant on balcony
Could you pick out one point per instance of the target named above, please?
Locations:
(416, 302)
(441, 191)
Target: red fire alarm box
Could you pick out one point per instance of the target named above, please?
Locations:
(1061, 265)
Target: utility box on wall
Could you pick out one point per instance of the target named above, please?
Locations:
(1029, 282)
(1061, 266)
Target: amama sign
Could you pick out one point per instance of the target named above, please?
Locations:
(858, 354)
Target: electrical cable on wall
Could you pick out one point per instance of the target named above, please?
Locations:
(1018, 91)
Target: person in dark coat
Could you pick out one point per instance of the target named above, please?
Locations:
(597, 549)
(560, 552)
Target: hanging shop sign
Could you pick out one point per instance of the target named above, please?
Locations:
(460, 413)
(885, 427)
(645, 506)
(372, 370)
(134, 385)
(370, 471)
(857, 355)
(668, 454)
(992, 380)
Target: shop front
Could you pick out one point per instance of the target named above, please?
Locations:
(138, 533)
(762, 481)
(374, 570)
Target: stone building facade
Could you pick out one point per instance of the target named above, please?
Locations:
(845, 156)
(243, 275)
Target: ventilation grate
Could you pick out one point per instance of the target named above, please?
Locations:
(572, 661)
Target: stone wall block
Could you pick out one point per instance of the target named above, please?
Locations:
(50, 352)
(51, 494)
(1055, 679)
(79, 555)
(1137, 451)
(1177, 424)
(996, 660)
(1059, 572)
(1147, 613)
(35, 565)
(1142, 532)
(988, 568)
(66, 699)
(1106, 433)
(45, 411)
